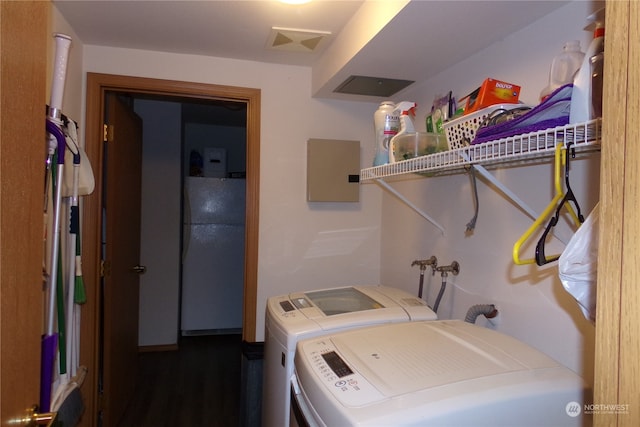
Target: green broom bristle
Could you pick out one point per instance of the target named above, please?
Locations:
(80, 295)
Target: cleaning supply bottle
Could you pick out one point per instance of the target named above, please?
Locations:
(597, 68)
(564, 67)
(407, 110)
(386, 123)
(584, 93)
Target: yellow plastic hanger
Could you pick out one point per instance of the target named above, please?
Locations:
(560, 161)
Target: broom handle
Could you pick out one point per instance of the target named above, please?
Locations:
(63, 42)
(71, 274)
(53, 129)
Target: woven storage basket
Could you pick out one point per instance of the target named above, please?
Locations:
(461, 131)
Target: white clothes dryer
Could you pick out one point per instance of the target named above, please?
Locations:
(296, 316)
(442, 373)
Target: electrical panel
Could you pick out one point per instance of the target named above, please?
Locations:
(333, 170)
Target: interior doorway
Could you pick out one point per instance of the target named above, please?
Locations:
(97, 86)
(192, 217)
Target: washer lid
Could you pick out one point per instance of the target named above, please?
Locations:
(403, 358)
(386, 361)
(342, 300)
(294, 316)
(432, 373)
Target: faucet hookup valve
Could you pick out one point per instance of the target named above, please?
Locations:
(423, 263)
(453, 268)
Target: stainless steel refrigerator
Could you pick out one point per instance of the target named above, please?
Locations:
(213, 255)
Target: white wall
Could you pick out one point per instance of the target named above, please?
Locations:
(160, 221)
(532, 303)
(302, 246)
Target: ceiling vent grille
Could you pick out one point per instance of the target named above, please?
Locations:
(294, 40)
(372, 86)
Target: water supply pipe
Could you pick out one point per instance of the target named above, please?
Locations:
(444, 270)
(423, 263)
(488, 310)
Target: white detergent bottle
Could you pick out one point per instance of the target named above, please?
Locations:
(386, 123)
(407, 110)
(582, 95)
(564, 67)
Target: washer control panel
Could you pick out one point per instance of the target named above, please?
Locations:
(330, 368)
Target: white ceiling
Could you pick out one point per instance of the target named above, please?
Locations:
(424, 38)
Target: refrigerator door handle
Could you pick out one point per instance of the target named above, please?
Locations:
(187, 207)
(186, 237)
(186, 241)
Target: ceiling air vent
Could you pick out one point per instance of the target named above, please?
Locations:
(372, 86)
(294, 40)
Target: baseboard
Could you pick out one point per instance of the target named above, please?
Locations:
(199, 332)
(151, 348)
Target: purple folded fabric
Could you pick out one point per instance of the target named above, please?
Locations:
(553, 112)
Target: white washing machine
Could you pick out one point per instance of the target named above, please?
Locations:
(290, 318)
(442, 373)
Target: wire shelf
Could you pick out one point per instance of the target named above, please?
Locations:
(530, 147)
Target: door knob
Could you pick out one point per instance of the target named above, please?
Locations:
(140, 269)
(34, 419)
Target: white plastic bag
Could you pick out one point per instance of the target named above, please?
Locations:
(578, 265)
(86, 180)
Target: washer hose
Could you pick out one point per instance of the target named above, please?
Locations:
(471, 225)
(421, 284)
(488, 310)
(440, 293)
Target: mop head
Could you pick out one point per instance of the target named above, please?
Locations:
(71, 410)
(68, 403)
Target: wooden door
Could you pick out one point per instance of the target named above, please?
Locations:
(120, 284)
(23, 58)
(617, 365)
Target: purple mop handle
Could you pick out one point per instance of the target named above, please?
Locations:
(55, 130)
(49, 344)
(48, 350)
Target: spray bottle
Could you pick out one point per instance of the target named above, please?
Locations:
(587, 87)
(386, 123)
(407, 110)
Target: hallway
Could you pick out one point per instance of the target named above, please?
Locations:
(197, 385)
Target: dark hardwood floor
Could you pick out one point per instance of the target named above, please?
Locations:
(198, 385)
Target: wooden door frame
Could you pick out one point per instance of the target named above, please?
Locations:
(97, 85)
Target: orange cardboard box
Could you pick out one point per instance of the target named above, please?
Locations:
(490, 93)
